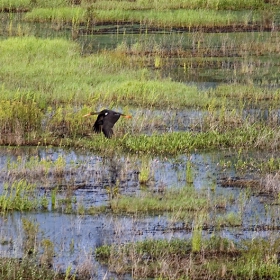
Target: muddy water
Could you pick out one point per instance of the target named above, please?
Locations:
(89, 176)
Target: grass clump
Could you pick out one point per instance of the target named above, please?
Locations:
(158, 18)
(183, 142)
(14, 5)
(218, 258)
(12, 269)
(61, 14)
(20, 120)
(36, 261)
(26, 5)
(174, 199)
(165, 4)
(21, 196)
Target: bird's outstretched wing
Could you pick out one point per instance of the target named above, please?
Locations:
(97, 127)
(107, 129)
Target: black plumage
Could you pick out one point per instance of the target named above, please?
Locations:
(105, 121)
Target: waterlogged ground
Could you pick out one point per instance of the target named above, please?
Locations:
(242, 196)
(89, 180)
(204, 58)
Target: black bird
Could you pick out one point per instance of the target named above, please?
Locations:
(105, 121)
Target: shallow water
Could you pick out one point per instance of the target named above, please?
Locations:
(76, 236)
(223, 62)
(87, 177)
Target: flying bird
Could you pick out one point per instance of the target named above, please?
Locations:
(105, 121)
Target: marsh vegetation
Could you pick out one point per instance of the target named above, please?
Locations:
(186, 189)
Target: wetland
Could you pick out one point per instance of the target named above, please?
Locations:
(186, 189)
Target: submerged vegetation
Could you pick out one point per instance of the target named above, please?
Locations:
(48, 82)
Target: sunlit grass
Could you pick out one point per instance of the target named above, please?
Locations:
(142, 5)
(222, 259)
(51, 71)
(166, 18)
(172, 200)
(21, 196)
(62, 14)
(165, 4)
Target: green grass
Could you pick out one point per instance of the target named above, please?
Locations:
(165, 4)
(51, 72)
(166, 18)
(12, 269)
(61, 14)
(21, 196)
(172, 200)
(27, 5)
(218, 258)
(182, 142)
(11, 5)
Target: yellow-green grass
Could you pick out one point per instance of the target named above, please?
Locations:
(174, 199)
(60, 14)
(57, 85)
(10, 5)
(251, 136)
(21, 196)
(52, 72)
(66, 126)
(218, 258)
(167, 18)
(27, 268)
(27, 5)
(141, 4)
(181, 4)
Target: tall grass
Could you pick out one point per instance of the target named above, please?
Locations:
(217, 258)
(172, 200)
(182, 4)
(19, 120)
(62, 14)
(166, 18)
(52, 72)
(141, 4)
(21, 196)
